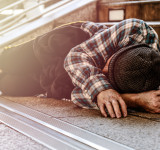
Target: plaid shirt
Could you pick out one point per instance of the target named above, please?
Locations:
(85, 62)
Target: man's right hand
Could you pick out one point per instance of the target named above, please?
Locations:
(113, 102)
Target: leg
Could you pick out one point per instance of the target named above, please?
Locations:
(18, 65)
(19, 60)
(14, 85)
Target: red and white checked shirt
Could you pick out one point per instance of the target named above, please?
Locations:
(85, 62)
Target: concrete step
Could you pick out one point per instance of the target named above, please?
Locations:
(139, 130)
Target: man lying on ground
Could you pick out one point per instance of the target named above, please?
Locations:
(114, 62)
(110, 68)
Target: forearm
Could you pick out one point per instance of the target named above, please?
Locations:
(131, 99)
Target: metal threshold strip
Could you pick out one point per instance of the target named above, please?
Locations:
(51, 132)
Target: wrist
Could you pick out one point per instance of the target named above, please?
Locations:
(101, 93)
(131, 99)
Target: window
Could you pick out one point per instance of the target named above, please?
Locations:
(116, 14)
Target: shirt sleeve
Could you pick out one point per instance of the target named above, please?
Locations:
(149, 36)
(85, 62)
(87, 78)
(93, 28)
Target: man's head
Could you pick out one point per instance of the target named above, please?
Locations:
(135, 68)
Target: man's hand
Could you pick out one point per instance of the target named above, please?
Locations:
(149, 101)
(113, 102)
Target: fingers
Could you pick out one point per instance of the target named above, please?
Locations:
(110, 109)
(115, 108)
(123, 107)
(112, 101)
(102, 109)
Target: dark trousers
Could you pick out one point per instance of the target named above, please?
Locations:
(20, 71)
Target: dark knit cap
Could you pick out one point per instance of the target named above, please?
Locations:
(135, 68)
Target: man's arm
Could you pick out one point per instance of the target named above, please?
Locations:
(149, 101)
(87, 78)
(117, 104)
